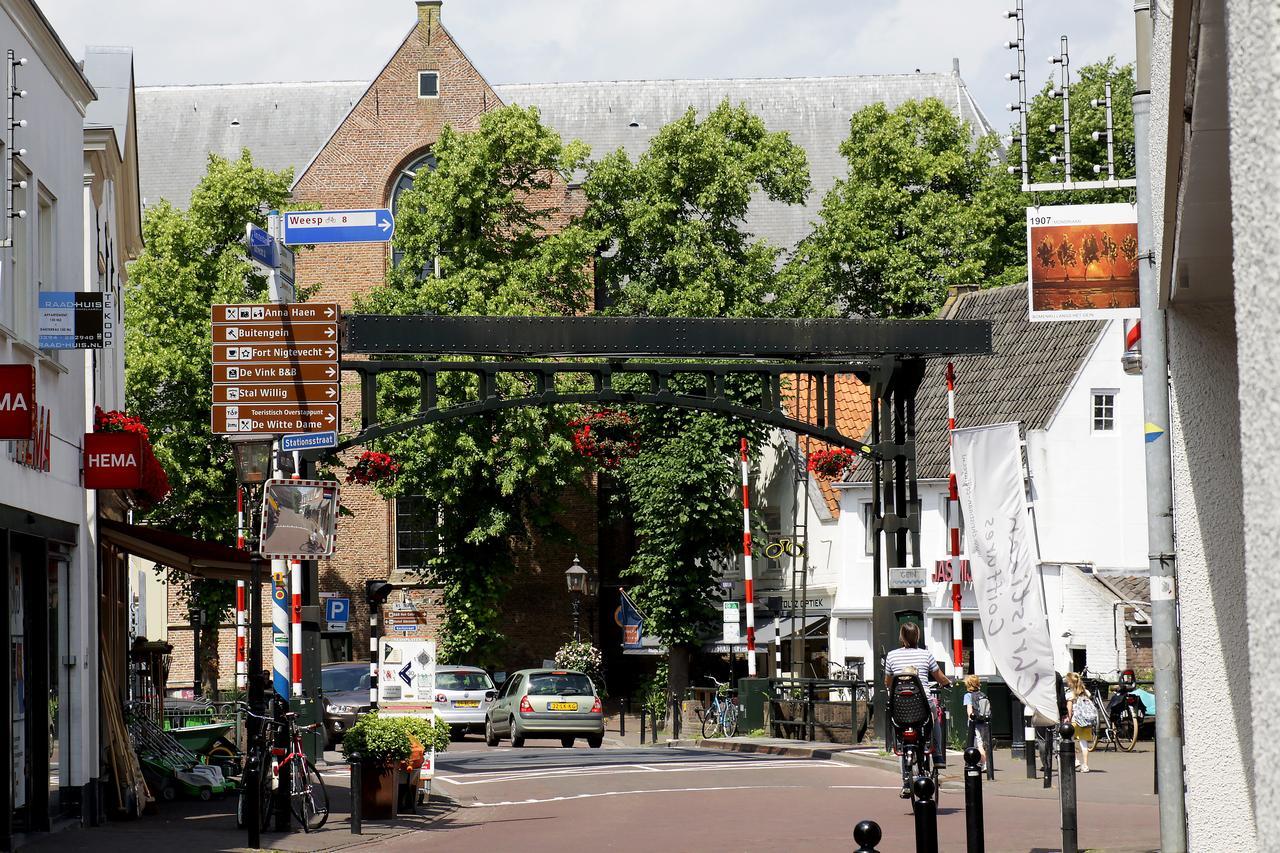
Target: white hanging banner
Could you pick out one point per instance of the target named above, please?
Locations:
(1011, 603)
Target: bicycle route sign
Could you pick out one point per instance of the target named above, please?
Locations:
(275, 368)
(315, 227)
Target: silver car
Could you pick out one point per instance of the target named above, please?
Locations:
(546, 703)
(463, 695)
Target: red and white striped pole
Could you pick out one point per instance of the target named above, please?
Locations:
(746, 564)
(242, 670)
(953, 513)
(295, 606)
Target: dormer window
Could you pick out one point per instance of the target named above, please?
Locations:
(428, 84)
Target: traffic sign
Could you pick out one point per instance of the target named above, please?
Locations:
(243, 354)
(337, 609)
(309, 441)
(262, 248)
(313, 227)
(300, 392)
(274, 417)
(275, 330)
(276, 371)
(297, 312)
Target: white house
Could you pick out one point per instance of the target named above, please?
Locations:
(1082, 421)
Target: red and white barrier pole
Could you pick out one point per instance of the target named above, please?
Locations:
(242, 670)
(295, 608)
(746, 564)
(953, 513)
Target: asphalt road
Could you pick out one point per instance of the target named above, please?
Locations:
(547, 798)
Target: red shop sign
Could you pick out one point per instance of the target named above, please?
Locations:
(17, 401)
(113, 460)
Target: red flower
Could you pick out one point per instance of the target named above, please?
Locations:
(606, 436)
(831, 464)
(373, 467)
(115, 421)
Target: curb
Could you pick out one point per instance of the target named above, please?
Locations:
(852, 756)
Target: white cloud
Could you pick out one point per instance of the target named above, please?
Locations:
(518, 40)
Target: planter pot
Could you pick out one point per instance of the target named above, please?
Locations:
(378, 790)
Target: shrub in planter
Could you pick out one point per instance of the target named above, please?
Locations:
(387, 746)
(585, 658)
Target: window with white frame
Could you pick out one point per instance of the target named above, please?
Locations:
(1104, 410)
(869, 531)
(428, 84)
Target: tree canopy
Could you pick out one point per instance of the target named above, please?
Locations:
(924, 206)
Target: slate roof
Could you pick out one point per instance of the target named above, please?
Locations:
(1030, 370)
(110, 69)
(285, 124)
(1128, 587)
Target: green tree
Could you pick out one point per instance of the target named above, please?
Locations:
(923, 206)
(485, 213)
(673, 222)
(1086, 152)
(193, 259)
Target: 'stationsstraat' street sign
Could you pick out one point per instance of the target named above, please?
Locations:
(275, 368)
(311, 227)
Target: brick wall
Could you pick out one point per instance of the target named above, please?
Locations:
(180, 660)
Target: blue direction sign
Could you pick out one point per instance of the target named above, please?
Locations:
(261, 247)
(309, 441)
(311, 227)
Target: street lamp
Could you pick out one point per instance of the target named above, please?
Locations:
(252, 457)
(576, 578)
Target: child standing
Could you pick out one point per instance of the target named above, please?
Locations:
(1083, 715)
(978, 708)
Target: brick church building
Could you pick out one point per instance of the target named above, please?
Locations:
(358, 144)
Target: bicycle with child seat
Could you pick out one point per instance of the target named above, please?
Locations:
(721, 718)
(308, 797)
(1118, 722)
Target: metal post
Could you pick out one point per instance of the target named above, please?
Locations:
(284, 780)
(1067, 787)
(1017, 733)
(867, 835)
(375, 633)
(356, 784)
(811, 711)
(577, 613)
(622, 718)
(1044, 735)
(975, 834)
(748, 577)
(1029, 737)
(253, 767)
(1159, 482)
(925, 808)
(642, 709)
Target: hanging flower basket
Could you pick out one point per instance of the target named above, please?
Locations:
(373, 467)
(607, 437)
(153, 483)
(114, 421)
(832, 464)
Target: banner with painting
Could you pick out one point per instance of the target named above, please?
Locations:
(1082, 262)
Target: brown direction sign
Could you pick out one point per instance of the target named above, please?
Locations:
(274, 417)
(281, 371)
(276, 331)
(296, 312)
(301, 392)
(246, 353)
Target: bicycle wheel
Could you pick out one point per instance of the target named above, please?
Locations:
(309, 800)
(731, 720)
(1127, 729)
(264, 800)
(710, 722)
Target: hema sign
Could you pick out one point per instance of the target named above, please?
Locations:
(17, 401)
(112, 460)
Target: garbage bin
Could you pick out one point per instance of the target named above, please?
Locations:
(308, 711)
(998, 693)
(752, 694)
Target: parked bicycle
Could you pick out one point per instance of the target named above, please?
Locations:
(721, 719)
(308, 797)
(1119, 718)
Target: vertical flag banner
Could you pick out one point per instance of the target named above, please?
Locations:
(1006, 582)
(628, 618)
(1082, 262)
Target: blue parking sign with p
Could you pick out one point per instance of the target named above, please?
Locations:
(337, 609)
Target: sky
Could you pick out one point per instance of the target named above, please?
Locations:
(514, 41)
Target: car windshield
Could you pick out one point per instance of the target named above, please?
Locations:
(560, 684)
(463, 681)
(341, 679)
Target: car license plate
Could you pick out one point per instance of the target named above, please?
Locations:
(467, 703)
(563, 706)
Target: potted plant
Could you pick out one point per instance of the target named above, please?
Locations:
(374, 467)
(390, 749)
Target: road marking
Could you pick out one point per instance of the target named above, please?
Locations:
(532, 802)
(625, 769)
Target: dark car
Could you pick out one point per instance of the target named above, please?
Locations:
(344, 689)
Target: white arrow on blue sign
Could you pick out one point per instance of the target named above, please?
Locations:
(261, 247)
(313, 227)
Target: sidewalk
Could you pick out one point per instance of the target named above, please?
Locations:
(190, 826)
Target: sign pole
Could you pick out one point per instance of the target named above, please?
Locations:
(953, 517)
(746, 562)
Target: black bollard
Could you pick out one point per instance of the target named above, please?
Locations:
(1044, 736)
(642, 725)
(975, 834)
(622, 719)
(926, 813)
(990, 745)
(252, 784)
(1031, 743)
(356, 783)
(1067, 787)
(867, 835)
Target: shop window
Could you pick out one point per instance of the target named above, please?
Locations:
(417, 533)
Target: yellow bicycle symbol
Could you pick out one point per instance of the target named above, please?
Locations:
(778, 547)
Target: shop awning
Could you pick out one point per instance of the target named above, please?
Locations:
(175, 551)
(769, 630)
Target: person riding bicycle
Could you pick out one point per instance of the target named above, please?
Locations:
(907, 659)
